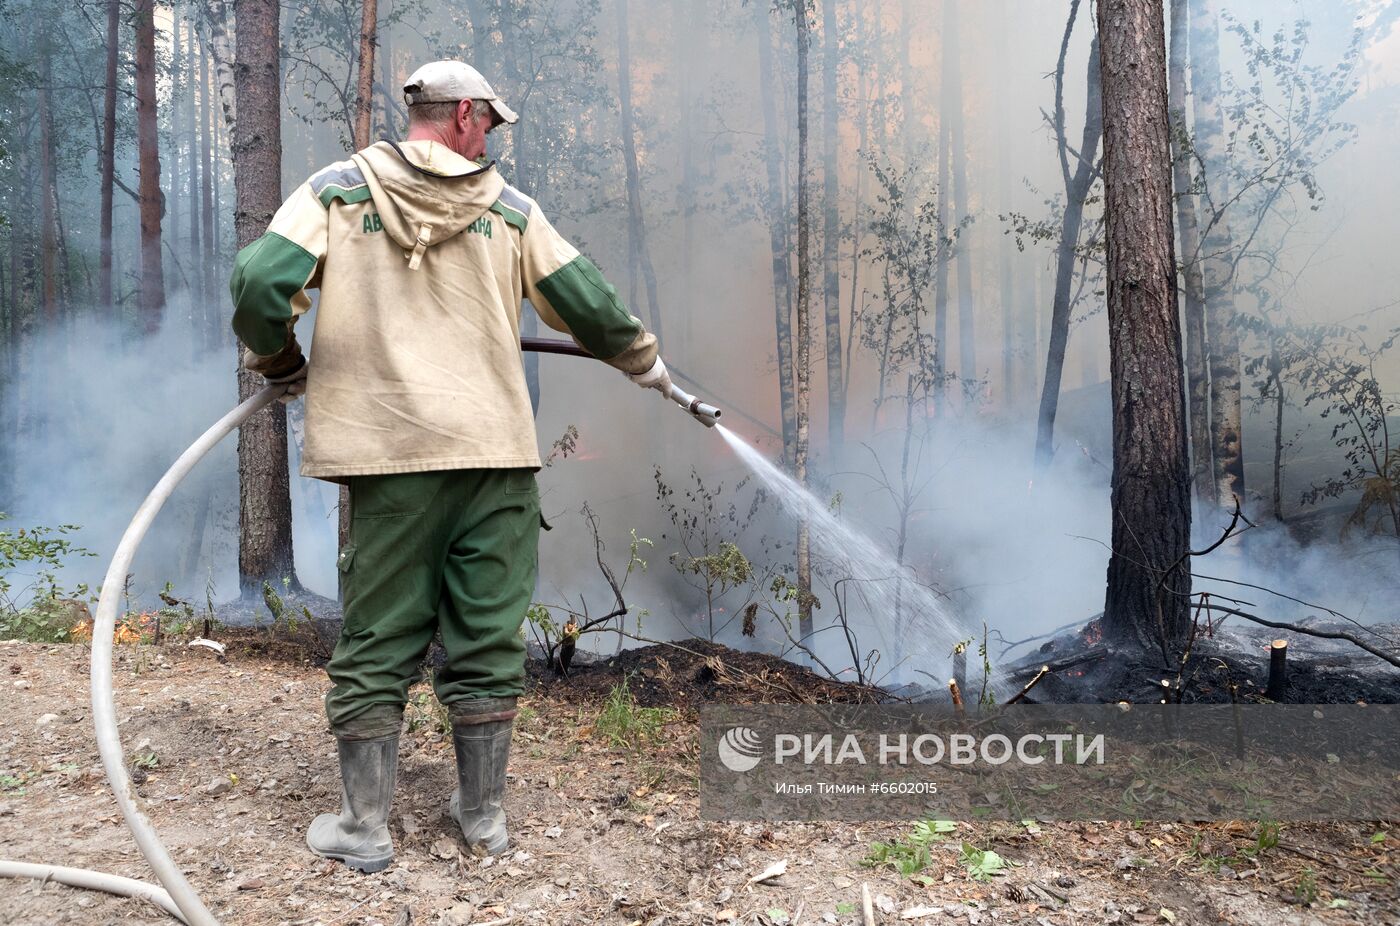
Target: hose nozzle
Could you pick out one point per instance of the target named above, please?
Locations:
(704, 413)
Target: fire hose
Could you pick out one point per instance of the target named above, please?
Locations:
(178, 898)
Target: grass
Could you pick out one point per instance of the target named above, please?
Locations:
(625, 724)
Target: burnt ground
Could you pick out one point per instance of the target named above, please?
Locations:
(234, 762)
(1229, 661)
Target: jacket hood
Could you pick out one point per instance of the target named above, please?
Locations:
(428, 193)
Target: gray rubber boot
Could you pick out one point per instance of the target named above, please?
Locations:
(359, 834)
(481, 731)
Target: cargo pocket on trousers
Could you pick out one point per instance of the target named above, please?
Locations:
(345, 561)
(520, 482)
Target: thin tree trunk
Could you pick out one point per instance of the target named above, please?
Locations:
(265, 504)
(1149, 578)
(107, 157)
(777, 237)
(831, 233)
(1005, 257)
(213, 328)
(364, 99)
(804, 328)
(639, 253)
(942, 256)
(152, 306)
(1193, 286)
(1217, 259)
(364, 78)
(221, 51)
(198, 310)
(48, 223)
(957, 143)
(1276, 375)
(1077, 188)
(686, 53)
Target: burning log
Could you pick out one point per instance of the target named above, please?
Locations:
(1057, 665)
(1278, 671)
(956, 692)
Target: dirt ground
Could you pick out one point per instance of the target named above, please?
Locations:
(234, 761)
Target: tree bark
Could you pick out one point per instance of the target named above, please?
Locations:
(48, 222)
(638, 252)
(957, 146)
(1077, 187)
(804, 328)
(198, 308)
(1217, 259)
(265, 505)
(364, 77)
(221, 51)
(1193, 286)
(208, 260)
(1149, 579)
(777, 233)
(107, 158)
(831, 233)
(152, 305)
(940, 269)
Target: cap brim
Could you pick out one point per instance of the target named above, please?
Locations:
(505, 112)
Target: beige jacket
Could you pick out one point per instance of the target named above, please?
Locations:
(422, 259)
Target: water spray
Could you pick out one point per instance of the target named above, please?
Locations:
(179, 898)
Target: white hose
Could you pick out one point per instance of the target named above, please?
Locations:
(92, 880)
(104, 714)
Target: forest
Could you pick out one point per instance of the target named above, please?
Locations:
(1055, 345)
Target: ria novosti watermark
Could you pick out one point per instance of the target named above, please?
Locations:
(1192, 762)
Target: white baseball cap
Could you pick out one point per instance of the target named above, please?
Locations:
(451, 81)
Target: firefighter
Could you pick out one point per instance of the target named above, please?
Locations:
(416, 399)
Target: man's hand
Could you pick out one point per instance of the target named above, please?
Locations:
(295, 380)
(656, 378)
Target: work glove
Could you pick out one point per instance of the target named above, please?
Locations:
(295, 380)
(656, 378)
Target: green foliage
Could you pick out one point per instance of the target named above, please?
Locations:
(626, 724)
(40, 610)
(425, 712)
(711, 560)
(910, 855)
(981, 864)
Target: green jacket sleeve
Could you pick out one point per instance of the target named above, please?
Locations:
(571, 295)
(270, 280)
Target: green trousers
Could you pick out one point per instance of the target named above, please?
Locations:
(454, 552)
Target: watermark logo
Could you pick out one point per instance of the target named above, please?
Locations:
(739, 749)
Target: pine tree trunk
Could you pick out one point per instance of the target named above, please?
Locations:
(1005, 258)
(804, 328)
(777, 232)
(940, 269)
(152, 305)
(1077, 187)
(1193, 286)
(1217, 259)
(957, 144)
(364, 77)
(265, 505)
(831, 233)
(1149, 579)
(107, 157)
(639, 253)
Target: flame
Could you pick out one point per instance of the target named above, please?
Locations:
(132, 628)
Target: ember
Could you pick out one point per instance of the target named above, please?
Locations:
(1093, 633)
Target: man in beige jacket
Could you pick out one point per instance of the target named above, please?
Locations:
(417, 400)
